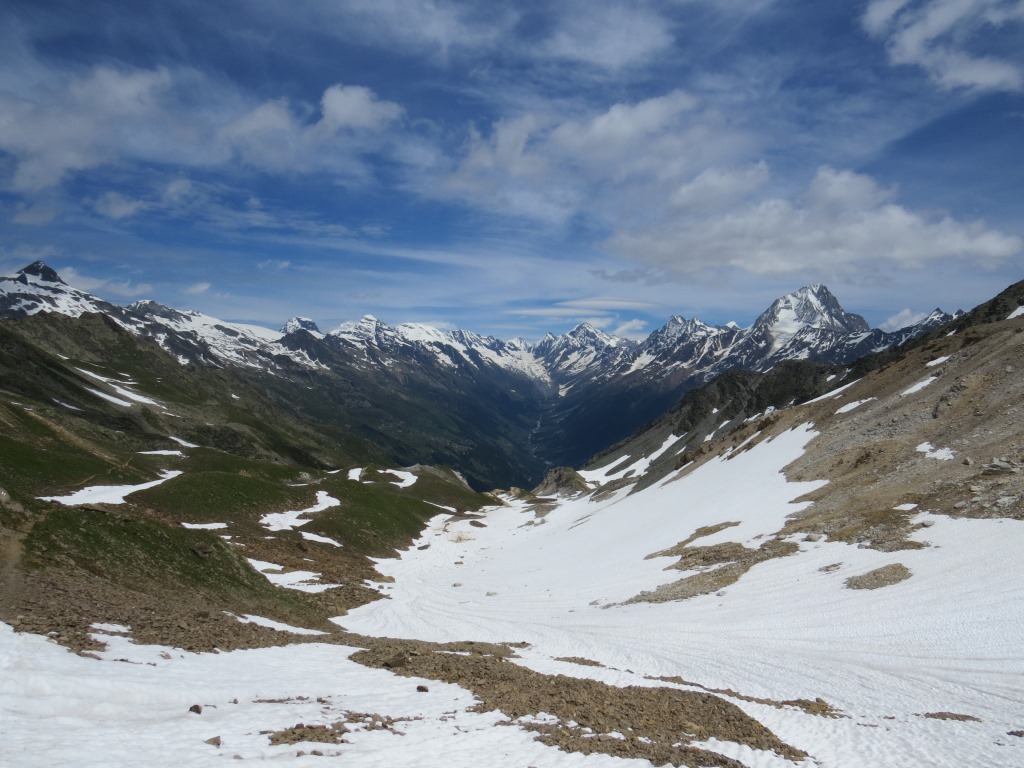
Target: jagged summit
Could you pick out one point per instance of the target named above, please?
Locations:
(39, 272)
(300, 324)
(811, 306)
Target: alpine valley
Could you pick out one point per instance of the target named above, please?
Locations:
(793, 544)
(500, 412)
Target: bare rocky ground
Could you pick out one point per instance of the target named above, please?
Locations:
(869, 454)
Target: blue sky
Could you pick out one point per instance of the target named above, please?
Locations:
(520, 167)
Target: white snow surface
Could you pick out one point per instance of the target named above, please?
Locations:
(937, 361)
(205, 526)
(164, 452)
(286, 521)
(118, 386)
(605, 474)
(303, 581)
(947, 639)
(109, 398)
(280, 626)
(855, 404)
(182, 443)
(1016, 313)
(109, 494)
(929, 450)
(405, 479)
(832, 393)
(321, 539)
(919, 385)
(355, 473)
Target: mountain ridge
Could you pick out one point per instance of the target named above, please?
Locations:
(502, 411)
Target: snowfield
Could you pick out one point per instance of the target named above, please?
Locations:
(945, 640)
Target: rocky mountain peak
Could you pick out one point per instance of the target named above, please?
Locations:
(812, 306)
(300, 324)
(39, 272)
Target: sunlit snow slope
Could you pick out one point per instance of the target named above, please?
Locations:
(946, 640)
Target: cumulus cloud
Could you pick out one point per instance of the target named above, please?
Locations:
(845, 223)
(936, 36)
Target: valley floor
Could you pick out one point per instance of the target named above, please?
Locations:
(927, 671)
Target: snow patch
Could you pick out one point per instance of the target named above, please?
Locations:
(919, 386)
(108, 494)
(929, 450)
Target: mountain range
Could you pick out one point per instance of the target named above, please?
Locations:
(500, 411)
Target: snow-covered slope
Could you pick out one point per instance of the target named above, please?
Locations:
(809, 556)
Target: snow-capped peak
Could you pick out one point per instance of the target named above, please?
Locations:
(39, 272)
(812, 306)
(300, 324)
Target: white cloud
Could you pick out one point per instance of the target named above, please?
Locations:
(936, 35)
(353, 106)
(902, 319)
(631, 329)
(609, 36)
(846, 223)
(114, 205)
(61, 121)
(623, 159)
(716, 187)
(83, 282)
(197, 289)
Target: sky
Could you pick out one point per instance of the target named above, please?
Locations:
(516, 168)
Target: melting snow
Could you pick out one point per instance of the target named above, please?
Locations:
(108, 494)
(116, 386)
(109, 398)
(937, 361)
(286, 521)
(829, 395)
(280, 626)
(405, 479)
(321, 539)
(182, 443)
(919, 386)
(303, 581)
(855, 404)
(205, 526)
(638, 467)
(929, 450)
(355, 474)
